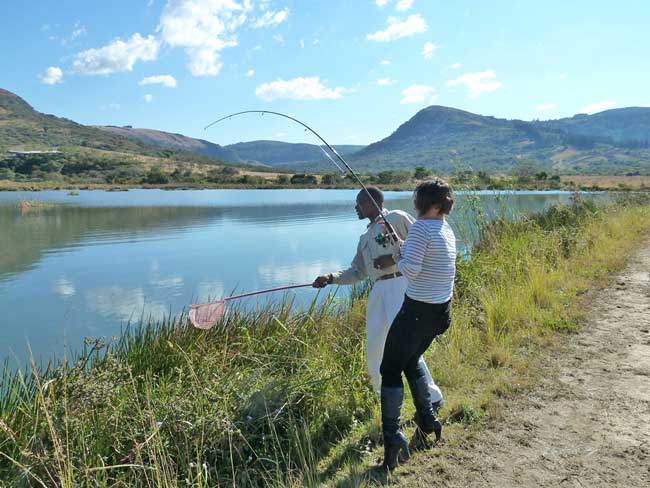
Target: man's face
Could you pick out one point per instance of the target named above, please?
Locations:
(364, 206)
(359, 208)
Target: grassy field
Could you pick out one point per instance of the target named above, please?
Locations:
(278, 397)
(608, 182)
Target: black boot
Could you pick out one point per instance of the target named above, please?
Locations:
(395, 442)
(425, 410)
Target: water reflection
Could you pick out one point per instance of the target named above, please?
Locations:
(100, 260)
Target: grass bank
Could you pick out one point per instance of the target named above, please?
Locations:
(279, 398)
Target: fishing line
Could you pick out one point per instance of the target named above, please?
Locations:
(330, 158)
(391, 232)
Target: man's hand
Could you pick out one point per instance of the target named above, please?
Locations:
(385, 261)
(322, 281)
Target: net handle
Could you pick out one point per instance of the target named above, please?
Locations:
(253, 293)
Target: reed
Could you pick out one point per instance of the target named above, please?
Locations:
(278, 396)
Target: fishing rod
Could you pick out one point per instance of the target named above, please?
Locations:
(391, 232)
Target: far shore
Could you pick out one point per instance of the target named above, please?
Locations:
(567, 183)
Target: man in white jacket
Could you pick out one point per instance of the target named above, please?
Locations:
(389, 286)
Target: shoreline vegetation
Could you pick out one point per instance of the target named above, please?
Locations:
(278, 397)
(472, 183)
(76, 169)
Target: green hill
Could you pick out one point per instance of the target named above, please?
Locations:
(621, 124)
(276, 153)
(174, 141)
(449, 140)
(84, 154)
(23, 128)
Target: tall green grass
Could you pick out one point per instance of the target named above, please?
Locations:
(279, 397)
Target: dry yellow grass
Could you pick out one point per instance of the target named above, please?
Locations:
(608, 182)
(566, 154)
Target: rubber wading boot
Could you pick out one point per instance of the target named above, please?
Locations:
(395, 442)
(425, 410)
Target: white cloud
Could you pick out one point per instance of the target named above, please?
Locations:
(295, 273)
(203, 28)
(124, 303)
(117, 56)
(111, 106)
(78, 31)
(456, 66)
(403, 5)
(545, 107)
(209, 290)
(302, 43)
(52, 76)
(477, 83)
(271, 18)
(397, 29)
(148, 98)
(250, 73)
(428, 50)
(596, 107)
(384, 62)
(381, 3)
(279, 38)
(298, 89)
(417, 94)
(165, 80)
(563, 76)
(64, 287)
(315, 42)
(385, 82)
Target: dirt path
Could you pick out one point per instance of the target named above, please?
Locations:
(588, 422)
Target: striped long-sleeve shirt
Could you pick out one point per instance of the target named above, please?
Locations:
(428, 260)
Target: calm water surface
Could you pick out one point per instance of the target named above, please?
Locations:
(98, 260)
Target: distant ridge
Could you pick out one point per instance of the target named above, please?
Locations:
(450, 140)
(174, 141)
(276, 153)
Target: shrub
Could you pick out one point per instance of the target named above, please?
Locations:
(303, 179)
(156, 176)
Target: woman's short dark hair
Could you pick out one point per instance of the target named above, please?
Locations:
(431, 193)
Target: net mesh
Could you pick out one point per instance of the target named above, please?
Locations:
(207, 315)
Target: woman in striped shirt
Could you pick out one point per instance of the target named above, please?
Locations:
(428, 260)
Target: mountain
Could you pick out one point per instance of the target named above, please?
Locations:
(621, 124)
(22, 127)
(174, 141)
(37, 147)
(449, 140)
(444, 139)
(276, 153)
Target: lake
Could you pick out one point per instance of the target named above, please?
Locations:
(100, 260)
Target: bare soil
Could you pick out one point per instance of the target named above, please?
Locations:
(586, 424)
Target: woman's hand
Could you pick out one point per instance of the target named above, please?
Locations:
(397, 250)
(383, 262)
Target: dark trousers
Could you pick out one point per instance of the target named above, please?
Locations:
(411, 334)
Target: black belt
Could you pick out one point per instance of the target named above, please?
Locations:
(389, 276)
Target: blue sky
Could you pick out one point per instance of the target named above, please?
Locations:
(354, 69)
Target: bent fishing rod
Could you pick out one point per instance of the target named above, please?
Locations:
(391, 232)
